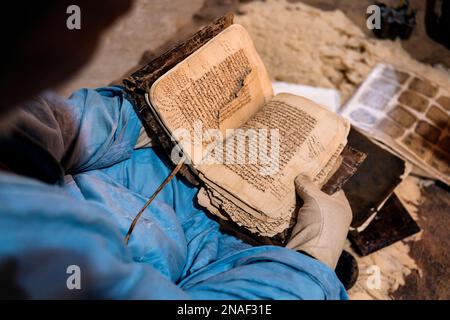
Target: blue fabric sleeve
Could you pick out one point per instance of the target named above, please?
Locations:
(43, 240)
(47, 231)
(106, 129)
(90, 130)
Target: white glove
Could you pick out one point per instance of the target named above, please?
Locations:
(322, 223)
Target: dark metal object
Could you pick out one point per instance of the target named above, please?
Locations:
(397, 22)
(391, 224)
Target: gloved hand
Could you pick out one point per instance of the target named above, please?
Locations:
(322, 223)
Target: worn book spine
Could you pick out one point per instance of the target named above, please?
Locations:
(351, 161)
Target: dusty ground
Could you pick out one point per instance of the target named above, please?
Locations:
(419, 45)
(152, 26)
(412, 269)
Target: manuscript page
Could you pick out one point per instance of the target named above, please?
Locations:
(311, 139)
(220, 86)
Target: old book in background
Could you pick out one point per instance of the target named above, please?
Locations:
(217, 77)
(391, 224)
(373, 184)
(379, 218)
(409, 114)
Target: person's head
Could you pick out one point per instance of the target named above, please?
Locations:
(39, 51)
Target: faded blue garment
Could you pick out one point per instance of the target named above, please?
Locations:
(176, 250)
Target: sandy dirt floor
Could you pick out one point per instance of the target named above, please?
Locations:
(313, 44)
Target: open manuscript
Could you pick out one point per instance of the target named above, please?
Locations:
(244, 145)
